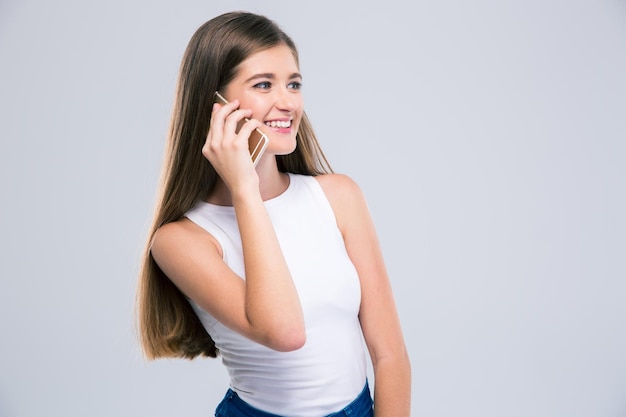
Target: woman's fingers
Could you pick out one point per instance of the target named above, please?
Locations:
(223, 135)
(226, 144)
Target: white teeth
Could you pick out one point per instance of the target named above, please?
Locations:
(279, 123)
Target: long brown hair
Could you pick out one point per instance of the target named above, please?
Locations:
(168, 326)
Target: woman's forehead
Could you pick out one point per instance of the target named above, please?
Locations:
(277, 59)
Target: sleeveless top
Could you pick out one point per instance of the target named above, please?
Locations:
(329, 371)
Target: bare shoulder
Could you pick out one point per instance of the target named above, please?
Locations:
(346, 199)
(181, 235)
(339, 188)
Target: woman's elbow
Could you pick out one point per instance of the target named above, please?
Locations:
(288, 340)
(283, 333)
(285, 337)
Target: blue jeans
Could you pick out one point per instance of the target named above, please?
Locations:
(233, 406)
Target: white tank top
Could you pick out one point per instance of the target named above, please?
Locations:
(329, 371)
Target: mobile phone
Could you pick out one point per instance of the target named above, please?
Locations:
(257, 142)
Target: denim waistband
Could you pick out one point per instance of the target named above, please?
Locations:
(234, 406)
(360, 407)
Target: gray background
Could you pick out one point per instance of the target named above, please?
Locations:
(488, 136)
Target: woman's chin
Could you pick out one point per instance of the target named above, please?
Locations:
(282, 147)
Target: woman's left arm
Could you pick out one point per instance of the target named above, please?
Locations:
(378, 314)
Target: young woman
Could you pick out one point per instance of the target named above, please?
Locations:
(275, 267)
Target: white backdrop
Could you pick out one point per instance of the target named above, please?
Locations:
(488, 136)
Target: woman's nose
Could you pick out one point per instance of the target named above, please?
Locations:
(287, 100)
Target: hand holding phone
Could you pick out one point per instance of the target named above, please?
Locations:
(257, 142)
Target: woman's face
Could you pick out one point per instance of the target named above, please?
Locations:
(268, 82)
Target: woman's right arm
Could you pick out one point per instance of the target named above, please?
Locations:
(264, 307)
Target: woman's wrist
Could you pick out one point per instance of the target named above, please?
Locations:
(246, 194)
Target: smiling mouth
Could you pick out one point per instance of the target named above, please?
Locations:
(282, 124)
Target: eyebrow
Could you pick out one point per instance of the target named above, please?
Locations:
(272, 76)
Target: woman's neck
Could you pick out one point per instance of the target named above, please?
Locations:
(272, 183)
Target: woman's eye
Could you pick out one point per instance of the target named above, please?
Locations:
(296, 85)
(263, 85)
